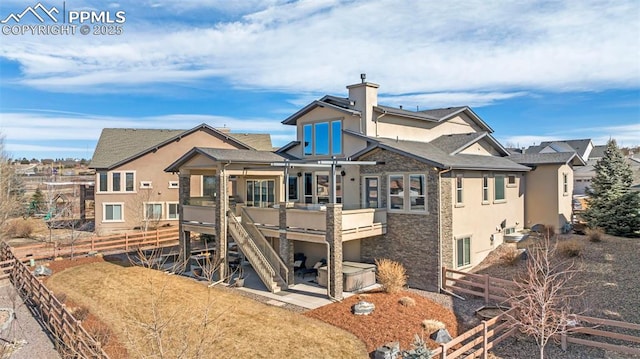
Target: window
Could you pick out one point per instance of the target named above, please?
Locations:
(172, 210)
(511, 181)
(485, 189)
(459, 198)
(293, 188)
(209, 186)
(174, 184)
(510, 230)
(412, 200)
(153, 211)
(417, 192)
(322, 138)
(463, 251)
(565, 184)
(128, 182)
(322, 188)
(112, 212)
(308, 139)
(396, 192)
(146, 184)
(115, 181)
(371, 199)
(102, 178)
(498, 188)
(308, 187)
(260, 193)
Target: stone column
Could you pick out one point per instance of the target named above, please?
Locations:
(334, 238)
(184, 194)
(286, 246)
(221, 204)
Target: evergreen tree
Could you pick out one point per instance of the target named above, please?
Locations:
(612, 205)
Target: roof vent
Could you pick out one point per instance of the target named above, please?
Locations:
(401, 107)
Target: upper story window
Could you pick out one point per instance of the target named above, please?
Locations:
(511, 181)
(407, 192)
(459, 190)
(565, 184)
(498, 188)
(322, 138)
(209, 186)
(485, 189)
(117, 181)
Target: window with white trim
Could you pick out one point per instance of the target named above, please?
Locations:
(411, 199)
(292, 182)
(102, 182)
(112, 212)
(485, 189)
(459, 190)
(119, 181)
(565, 184)
(498, 188)
(152, 211)
(463, 251)
(511, 181)
(322, 138)
(174, 184)
(172, 210)
(146, 184)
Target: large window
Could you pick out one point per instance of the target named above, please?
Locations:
(463, 251)
(119, 182)
(322, 138)
(115, 181)
(293, 188)
(128, 182)
(172, 210)
(112, 212)
(308, 187)
(485, 189)
(152, 211)
(459, 189)
(209, 186)
(498, 188)
(412, 198)
(261, 193)
(371, 198)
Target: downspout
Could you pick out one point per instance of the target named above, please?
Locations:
(440, 173)
(384, 113)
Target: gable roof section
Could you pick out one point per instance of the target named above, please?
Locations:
(227, 156)
(332, 102)
(578, 146)
(435, 115)
(257, 141)
(455, 143)
(118, 146)
(532, 159)
(433, 155)
(598, 151)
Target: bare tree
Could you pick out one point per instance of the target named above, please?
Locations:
(543, 295)
(143, 209)
(10, 198)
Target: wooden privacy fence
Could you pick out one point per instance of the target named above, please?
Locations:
(70, 337)
(498, 290)
(115, 243)
(479, 285)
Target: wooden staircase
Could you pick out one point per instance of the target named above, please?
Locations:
(264, 260)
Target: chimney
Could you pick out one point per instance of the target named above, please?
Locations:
(365, 96)
(523, 150)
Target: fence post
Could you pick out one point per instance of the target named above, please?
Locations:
(485, 352)
(444, 348)
(126, 241)
(563, 341)
(486, 289)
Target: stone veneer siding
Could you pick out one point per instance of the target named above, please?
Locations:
(412, 238)
(446, 212)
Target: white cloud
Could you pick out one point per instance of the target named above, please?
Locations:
(625, 135)
(309, 46)
(447, 99)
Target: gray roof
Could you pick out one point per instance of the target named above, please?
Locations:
(331, 102)
(117, 146)
(547, 158)
(430, 153)
(456, 142)
(227, 155)
(578, 146)
(597, 151)
(405, 113)
(443, 112)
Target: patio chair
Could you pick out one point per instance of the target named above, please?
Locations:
(299, 262)
(313, 270)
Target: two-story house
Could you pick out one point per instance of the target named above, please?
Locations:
(362, 181)
(132, 190)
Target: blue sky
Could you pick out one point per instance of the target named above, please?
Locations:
(533, 70)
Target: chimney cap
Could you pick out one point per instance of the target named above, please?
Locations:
(363, 77)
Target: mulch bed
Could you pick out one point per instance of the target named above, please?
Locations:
(390, 321)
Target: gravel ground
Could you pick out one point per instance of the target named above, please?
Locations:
(24, 328)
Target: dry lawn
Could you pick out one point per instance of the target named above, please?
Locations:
(152, 312)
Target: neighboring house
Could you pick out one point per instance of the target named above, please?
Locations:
(549, 187)
(132, 190)
(362, 181)
(584, 175)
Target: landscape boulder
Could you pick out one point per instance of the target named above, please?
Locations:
(42, 271)
(363, 308)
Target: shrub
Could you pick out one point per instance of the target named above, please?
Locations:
(510, 256)
(407, 301)
(100, 333)
(81, 313)
(19, 228)
(429, 325)
(391, 275)
(595, 234)
(571, 247)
